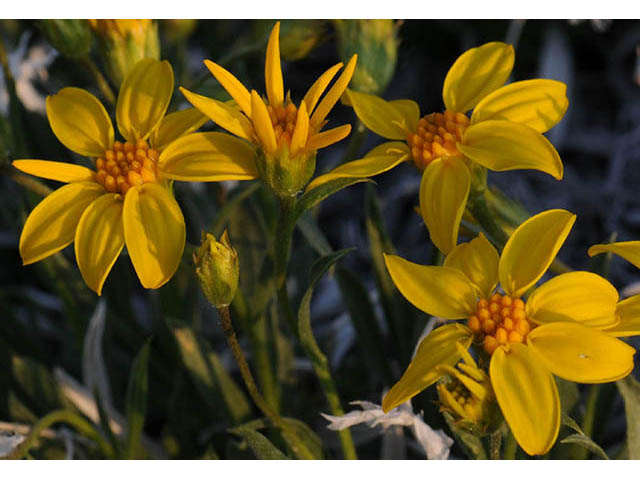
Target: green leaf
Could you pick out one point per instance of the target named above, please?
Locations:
(587, 443)
(630, 390)
(259, 444)
(313, 197)
(137, 399)
(317, 357)
(208, 374)
(356, 298)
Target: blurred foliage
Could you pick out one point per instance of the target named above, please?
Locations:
(174, 389)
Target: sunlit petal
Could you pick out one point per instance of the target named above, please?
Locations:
(334, 94)
(441, 291)
(154, 232)
(581, 354)
(227, 116)
(232, 85)
(301, 130)
(208, 156)
(478, 260)
(59, 171)
(438, 348)
(539, 104)
(382, 158)
(99, 239)
(262, 123)
(628, 312)
(273, 69)
(381, 117)
(501, 145)
(630, 251)
(80, 121)
(475, 74)
(317, 89)
(531, 249)
(528, 397)
(444, 190)
(143, 99)
(582, 297)
(328, 137)
(51, 226)
(175, 125)
(410, 110)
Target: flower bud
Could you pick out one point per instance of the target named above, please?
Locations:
(178, 29)
(217, 269)
(284, 174)
(123, 43)
(376, 43)
(297, 37)
(72, 38)
(467, 396)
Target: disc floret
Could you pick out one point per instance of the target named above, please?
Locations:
(437, 136)
(126, 165)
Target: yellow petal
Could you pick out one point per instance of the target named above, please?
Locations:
(99, 239)
(301, 130)
(228, 117)
(528, 397)
(581, 354)
(444, 190)
(328, 137)
(382, 158)
(154, 232)
(630, 251)
(531, 249)
(539, 104)
(232, 85)
(59, 171)
(628, 312)
(175, 125)
(409, 110)
(379, 116)
(143, 99)
(575, 297)
(334, 94)
(273, 69)
(441, 291)
(501, 145)
(317, 89)
(478, 260)
(475, 74)
(52, 224)
(80, 121)
(208, 157)
(438, 348)
(262, 123)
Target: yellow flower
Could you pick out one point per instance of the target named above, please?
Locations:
(286, 136)
(561, 329)
(504, 132)
(128, 199)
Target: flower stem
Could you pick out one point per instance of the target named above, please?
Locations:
(299, 448)
(495, 442)
(31, 183)
(482, 214)
(101, 82)
(510, 447)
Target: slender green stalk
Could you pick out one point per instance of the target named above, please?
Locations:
(495, 442)
(282, 251)
(60, 416)
(101, 82)
(29, 182)
(299, 448)
(510, 447)
(588, 421)
(480, 210)
(264, 371)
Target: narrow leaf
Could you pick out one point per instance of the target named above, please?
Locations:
(587, 443)
(630, 390)
(137, 399)
(313, 197)
(259, 444)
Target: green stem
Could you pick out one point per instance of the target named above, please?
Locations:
(510, 447)
(356, 141)
(58, 416)
(482, 214)
(101, 81)
(299, 448)
(264, 371)
(588, 421)
(495, 441)
(282, 246)
(29, 182)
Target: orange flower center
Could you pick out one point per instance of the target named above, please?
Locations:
(437, 136)
(127, 165)
(499, 321)
(283, 119)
